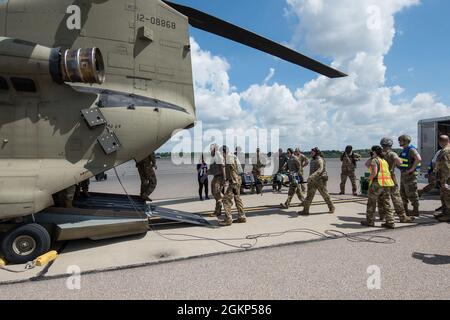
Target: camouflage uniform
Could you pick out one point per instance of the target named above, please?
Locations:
(277, 181)
(443, 170)
(65, 197)
(147, 174)
(282, 160)
(317, 181)
(233, 190)
(348, 170)
(433, 177)
(394, 194)
(379, 195)
(304, 162)
(215, 169)
(241, 157)
(408, 184)
(294, 166)
(257, 167)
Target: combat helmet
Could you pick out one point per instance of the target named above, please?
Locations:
(405, 138)
(387, 142)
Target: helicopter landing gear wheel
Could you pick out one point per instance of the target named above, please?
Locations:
(25, 243)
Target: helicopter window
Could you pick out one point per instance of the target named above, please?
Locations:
(3, 84)
(23, 84)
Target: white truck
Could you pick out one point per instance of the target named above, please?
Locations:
(429, 131)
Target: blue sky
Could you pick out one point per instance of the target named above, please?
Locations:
(423, 44)
(418, 61)
(398, 61)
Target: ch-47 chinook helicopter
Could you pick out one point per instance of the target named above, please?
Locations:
(87, 85)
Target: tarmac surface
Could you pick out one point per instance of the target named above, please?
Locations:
(415, 267)
(191, 262)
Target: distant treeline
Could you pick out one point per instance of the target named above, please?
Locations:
(337, 154)
(327, 153)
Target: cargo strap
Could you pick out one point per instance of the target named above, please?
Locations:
(30, 265)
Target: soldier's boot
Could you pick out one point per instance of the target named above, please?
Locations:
(388, 225)
(68, 204)
(226, 223)
(305, 211)
(366, 223)
(415, 212)
(407, 212)
(444, 218)
(442, 214)
(355, 193)
(420, 193)
(217, 210)
(406, 219)
(228, 218)
(241, 219)
(332, 209)
(86, 194)
(287, 204)
(439, 209)
(382, 216)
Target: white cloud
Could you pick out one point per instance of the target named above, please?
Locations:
(329, 113)
(269, 76)
(218, 103)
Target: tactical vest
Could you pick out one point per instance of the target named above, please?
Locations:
(383, 176)
(408, 160)
(293, 165)
(215, 169)
(315, 165)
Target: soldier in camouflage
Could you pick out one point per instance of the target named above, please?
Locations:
(411, 162)
(317, 180)
(217, 170)
(433, 180)
(257, 165)
(443, 171)
(349, 159)
(65, 197)
(278, 177)
(380, 187)
(304, 162)
(393, 161)
(146, 169)
(241, 157)
(293, 167)
(232, 188)
(282, 159)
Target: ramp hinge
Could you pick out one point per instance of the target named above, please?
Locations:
(109, 142)
(94, 117)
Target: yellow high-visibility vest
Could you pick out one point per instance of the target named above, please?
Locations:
(383, 177)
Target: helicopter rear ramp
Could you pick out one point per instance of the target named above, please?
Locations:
(104, 216)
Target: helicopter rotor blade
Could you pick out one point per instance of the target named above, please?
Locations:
(206, 22)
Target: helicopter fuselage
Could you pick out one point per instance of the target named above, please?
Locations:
(47, 142)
